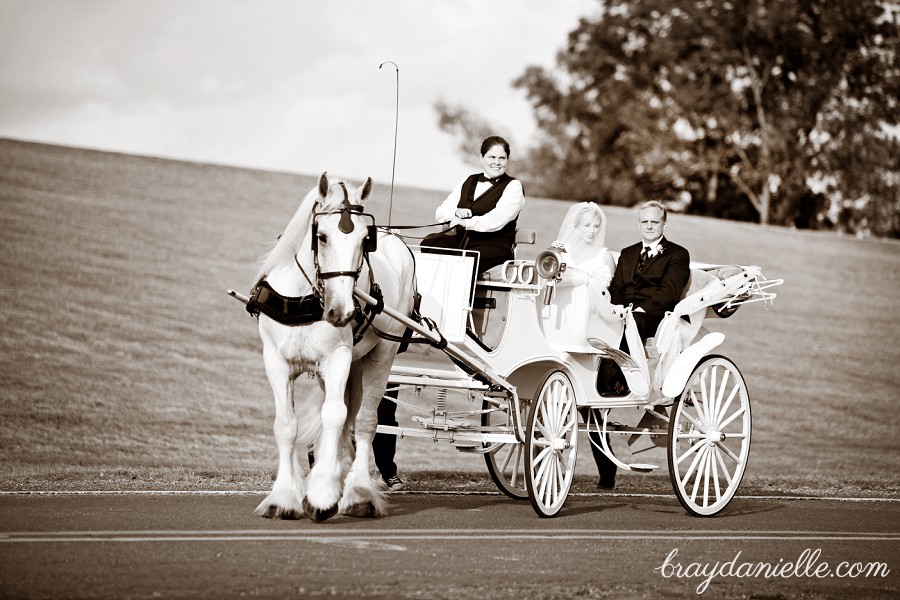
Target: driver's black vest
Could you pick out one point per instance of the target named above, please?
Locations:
(485, 203)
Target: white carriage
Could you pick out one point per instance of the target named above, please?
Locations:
(523, 344)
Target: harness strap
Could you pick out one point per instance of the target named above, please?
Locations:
(365, 317)
(284, 309)
(407, 338)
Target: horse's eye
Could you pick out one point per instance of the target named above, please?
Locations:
(323, 239)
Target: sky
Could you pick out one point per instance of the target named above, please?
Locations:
(280, 85)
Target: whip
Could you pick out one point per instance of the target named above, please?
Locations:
(396, 119)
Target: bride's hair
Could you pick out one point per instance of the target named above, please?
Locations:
(568, 233)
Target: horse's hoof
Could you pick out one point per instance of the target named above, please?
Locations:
(277, 512)
(365, 510)
(319, 515)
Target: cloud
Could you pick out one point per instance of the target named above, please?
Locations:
(273, 84)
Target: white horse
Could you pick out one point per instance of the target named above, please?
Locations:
(325, 251)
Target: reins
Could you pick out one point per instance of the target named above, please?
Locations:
(392, 228)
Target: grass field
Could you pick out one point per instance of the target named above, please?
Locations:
(123, 358)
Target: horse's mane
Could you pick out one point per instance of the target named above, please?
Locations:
(288, 244)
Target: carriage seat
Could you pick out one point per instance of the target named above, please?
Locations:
(489, 309)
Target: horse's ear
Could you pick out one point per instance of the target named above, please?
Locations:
(366, 189)
(323, 184)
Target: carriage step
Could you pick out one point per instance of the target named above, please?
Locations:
(643, 468)
(441, 424)
(471, 448)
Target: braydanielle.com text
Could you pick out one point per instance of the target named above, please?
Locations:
(807, 565)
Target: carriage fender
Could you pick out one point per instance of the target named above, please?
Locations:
(684, 365)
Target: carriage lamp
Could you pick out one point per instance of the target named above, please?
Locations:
(550, 265)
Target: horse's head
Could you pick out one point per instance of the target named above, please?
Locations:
(341, 235)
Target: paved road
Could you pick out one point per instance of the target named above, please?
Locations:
(444, 546)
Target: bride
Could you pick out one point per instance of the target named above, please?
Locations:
(589, 268)
(589, 264)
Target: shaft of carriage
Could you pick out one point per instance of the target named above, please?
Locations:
(474, 368)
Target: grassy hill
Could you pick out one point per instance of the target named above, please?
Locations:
(121, 353)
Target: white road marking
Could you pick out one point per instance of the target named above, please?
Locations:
(405, 493)
(376, 538)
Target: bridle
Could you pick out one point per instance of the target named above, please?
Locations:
(345, 225)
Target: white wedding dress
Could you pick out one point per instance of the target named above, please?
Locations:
(581, 308)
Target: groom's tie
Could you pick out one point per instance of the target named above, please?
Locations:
(643, 258)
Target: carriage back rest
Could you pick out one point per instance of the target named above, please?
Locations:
(526, 236)
(523, 236)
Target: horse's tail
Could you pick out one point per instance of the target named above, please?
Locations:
(309, 426)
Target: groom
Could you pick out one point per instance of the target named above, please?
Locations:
(650, 276)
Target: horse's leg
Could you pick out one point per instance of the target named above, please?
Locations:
(285, 499)
(362, 497)
(324, 482)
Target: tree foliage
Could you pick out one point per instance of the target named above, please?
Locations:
(767, 110)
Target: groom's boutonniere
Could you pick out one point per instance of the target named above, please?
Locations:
(656, 251)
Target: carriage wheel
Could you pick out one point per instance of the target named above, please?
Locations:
(709, 437)
(505, 462)
(551, 443)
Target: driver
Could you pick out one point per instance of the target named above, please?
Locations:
(482, 209)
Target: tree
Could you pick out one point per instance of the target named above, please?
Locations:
(719, 100)
(729, 91)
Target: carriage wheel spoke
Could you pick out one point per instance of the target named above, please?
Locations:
(698, 420)
(731, 397)
(517, 451)
(544, 480)
(703, 404)
(691, 450)
(551, 482)
(713, 397)
(552, 412)
(724, 468)
(714, 466)
(739, 412)
(720, 395)
(699, 455)
(541, 422)
(702, 455)
(542, 455)
(728, 451)
(706, 473)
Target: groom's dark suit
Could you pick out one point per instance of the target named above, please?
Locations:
(656, 287)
